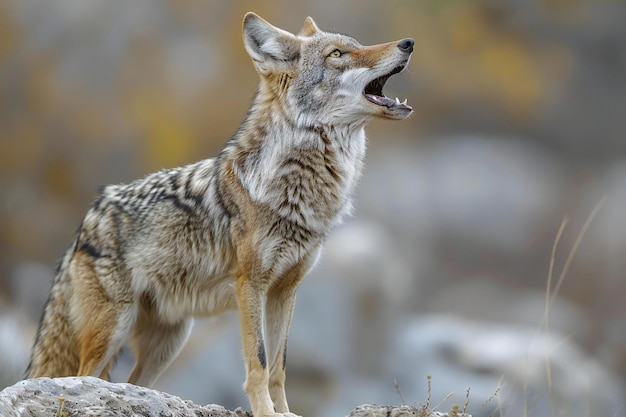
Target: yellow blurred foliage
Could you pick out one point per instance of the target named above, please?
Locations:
(21, 147)
(467, 31)
(473, 54)
(8, 34)
(168, 139)
(513, 75)
(59, 177)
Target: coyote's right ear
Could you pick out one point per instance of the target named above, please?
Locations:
(309, 28)
(267, 45)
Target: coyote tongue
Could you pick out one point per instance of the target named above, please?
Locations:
(374, 91)
(384, 101)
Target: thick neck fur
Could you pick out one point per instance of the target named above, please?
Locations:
(302, 170)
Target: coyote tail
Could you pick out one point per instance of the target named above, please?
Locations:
(55, 352)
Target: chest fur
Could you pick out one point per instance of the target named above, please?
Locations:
(308, 179)
(300, 186)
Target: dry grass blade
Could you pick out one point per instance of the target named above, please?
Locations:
(399, 391)
(551, 293)
(574, 249)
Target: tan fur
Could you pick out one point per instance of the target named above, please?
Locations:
(370, 55)
(236, 231)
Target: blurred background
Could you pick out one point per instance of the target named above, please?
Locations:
(518, 132)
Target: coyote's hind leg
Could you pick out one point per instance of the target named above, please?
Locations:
(102, 323)
(156, 345)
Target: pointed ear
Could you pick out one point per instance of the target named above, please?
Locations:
(309, 28)
(268, 45)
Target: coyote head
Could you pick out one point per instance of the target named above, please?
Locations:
(325, 78)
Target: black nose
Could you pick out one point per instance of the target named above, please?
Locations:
(406, 45)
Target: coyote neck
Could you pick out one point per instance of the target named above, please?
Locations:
(305, 174)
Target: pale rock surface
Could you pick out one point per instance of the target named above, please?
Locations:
(88, 396)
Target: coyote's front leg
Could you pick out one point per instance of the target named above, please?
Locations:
(279, 305)
(250, 299)
(272, 307)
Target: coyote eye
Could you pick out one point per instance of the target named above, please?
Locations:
(335, 54)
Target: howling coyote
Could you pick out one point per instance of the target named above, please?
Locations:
(238, 231)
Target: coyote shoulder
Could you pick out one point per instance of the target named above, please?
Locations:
(238, 231)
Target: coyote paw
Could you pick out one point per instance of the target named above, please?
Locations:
(279, 415)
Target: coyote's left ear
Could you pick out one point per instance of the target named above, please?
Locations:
(268, 45)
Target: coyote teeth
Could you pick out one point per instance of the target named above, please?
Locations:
(401, 102)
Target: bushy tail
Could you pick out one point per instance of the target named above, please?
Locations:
(55, 352)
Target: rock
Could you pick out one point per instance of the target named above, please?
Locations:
(372, 410)
(96, 397)
(89, 396)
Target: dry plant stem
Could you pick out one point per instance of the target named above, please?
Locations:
(548, 288)
(551, 269)
(577, 242)
(397, 387)
(450, 394)
(60, 409)
(466, 401)
(496, 396)
(566, 266)
(551, 295)
(428, 378)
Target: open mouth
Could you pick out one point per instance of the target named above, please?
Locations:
(374, 92)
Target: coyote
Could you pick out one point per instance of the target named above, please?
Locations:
(238, 231)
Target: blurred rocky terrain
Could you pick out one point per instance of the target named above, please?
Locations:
(520, 114)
